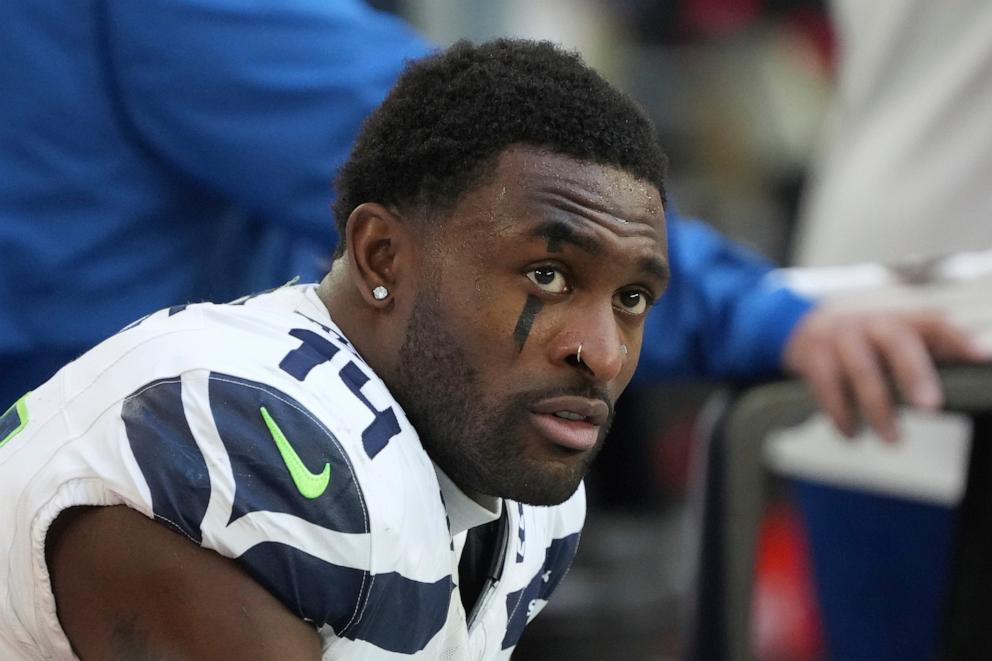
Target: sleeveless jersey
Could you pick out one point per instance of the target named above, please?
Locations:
(257, 430)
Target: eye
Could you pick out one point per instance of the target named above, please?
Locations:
(631, 301)
(548, 279)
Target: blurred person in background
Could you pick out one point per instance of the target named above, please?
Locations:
(907, 150)
(164, 152)
(902, 179)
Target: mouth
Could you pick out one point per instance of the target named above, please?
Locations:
(570, 422)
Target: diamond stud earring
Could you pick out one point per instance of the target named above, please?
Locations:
(380, 293)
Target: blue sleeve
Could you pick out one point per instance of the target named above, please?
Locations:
(720, 318)
(257, 101)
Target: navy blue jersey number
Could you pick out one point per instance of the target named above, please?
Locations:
(316, 349)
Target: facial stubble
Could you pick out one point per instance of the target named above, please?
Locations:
(477, 441)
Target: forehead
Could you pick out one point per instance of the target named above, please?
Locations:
(528, 179)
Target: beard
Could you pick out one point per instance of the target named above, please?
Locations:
(479, 442)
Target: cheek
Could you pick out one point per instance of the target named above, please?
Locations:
(482, 315)
(633, 344)
(499, 306)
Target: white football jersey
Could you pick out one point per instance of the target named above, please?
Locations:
(255, 429)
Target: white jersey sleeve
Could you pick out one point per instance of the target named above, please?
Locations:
(257, 431)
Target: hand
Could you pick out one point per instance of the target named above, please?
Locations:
(847, 359)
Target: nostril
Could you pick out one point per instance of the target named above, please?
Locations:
(575, 361)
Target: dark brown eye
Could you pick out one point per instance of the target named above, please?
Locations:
(631, 301)
(548, 279)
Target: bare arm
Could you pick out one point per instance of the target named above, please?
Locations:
(127, 587)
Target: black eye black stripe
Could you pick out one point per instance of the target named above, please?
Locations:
(526, 320)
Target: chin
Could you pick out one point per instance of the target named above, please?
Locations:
(545, 498)
(528, 481)
(544, 482)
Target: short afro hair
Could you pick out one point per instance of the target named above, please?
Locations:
(450, 115)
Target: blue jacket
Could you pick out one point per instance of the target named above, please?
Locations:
(721, 317)
(165, 151)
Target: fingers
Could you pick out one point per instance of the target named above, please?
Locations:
(821, 371)
(904, 350)
(946, 340)
(849, 358)
(858, 353)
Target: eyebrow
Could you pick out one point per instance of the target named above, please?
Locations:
(658, 268)
(559, 231)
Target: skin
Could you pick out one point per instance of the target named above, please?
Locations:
(851, 360)
(128, 588)
(487, 309)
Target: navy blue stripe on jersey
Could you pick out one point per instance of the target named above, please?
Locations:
(384, 426)
(313, 351)
(402, 615)
(168, 456)
(557, 560)
(263, 481)
(316, 590)
(520, 604)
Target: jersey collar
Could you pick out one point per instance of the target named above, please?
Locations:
(465, 512)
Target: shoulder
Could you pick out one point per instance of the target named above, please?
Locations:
(257, 471)
(264, 439)
(256, 431)
(288, 458)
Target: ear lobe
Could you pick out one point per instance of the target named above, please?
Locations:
(376, 239)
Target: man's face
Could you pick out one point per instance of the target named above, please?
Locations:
(550, 255)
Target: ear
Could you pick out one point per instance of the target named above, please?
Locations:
(380, 249)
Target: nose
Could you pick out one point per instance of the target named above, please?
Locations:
(591, 342)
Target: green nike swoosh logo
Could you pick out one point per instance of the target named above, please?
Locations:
(310, 485)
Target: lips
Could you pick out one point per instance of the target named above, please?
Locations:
(569, 421)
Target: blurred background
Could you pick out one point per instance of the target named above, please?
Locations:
(738, 90)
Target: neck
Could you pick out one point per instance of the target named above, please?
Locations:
(360, 322)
